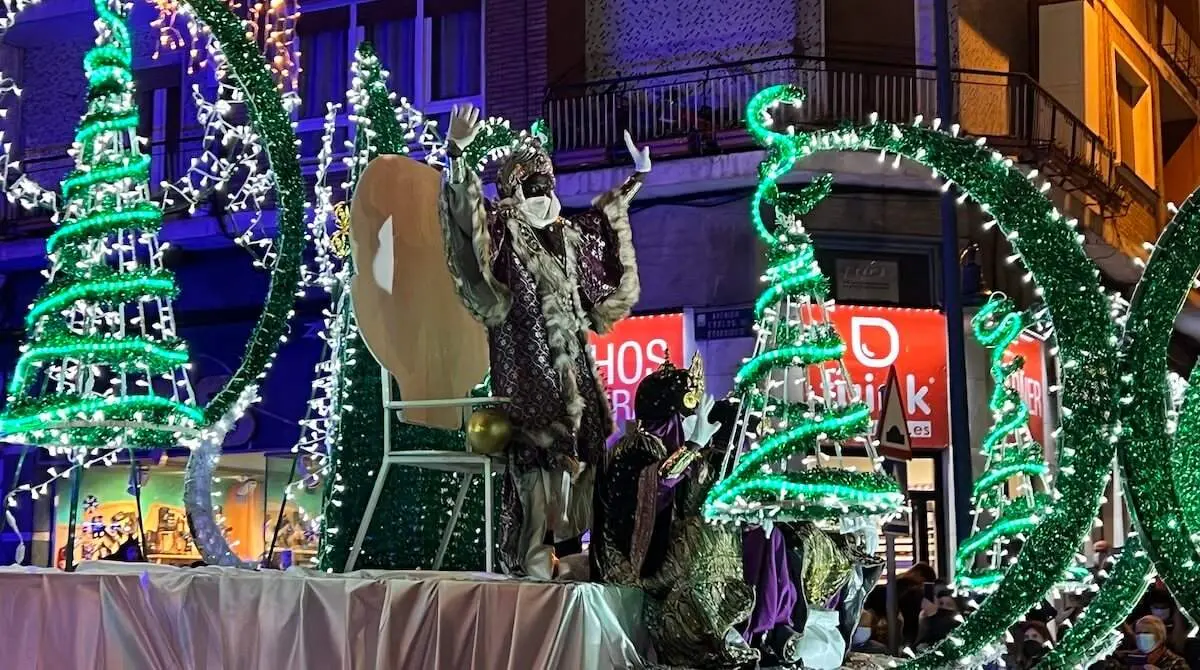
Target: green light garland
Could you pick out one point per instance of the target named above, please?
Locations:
(1097, 631)
(270, 119)
(1049, 247)
(1010, 452)
(133, 286)
(135, 351)
(1185, 457)
(144, 216)
(749, 491)
(1146, 446)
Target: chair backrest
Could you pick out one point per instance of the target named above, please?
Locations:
(405, 301)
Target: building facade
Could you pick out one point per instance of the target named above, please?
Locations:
(1100, 95)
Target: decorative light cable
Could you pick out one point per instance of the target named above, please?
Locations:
(1010, 452)
(268, 115)
(269, 24)
(102, 364)
(1050, 247)
(1162, 505)
(796, 346)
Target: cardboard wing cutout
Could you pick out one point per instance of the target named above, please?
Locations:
(411, 319)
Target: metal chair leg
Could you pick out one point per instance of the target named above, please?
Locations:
(365, 524)
(487, 515)
(453, 521)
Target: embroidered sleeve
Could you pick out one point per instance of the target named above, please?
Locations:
(608, 274)
(475, 239)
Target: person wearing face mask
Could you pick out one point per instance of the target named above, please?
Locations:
(1149, 635)
(937, 618)
(1034, 641)
(539, 282)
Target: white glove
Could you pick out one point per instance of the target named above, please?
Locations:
(464, 125)
(697, 428)
(641, 157)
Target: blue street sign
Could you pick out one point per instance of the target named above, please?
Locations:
(724, 324)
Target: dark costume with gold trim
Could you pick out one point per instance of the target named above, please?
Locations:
(539, 291)
(649, 533)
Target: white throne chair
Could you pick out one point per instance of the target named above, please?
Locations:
(427, 344)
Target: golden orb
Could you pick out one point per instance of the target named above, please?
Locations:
(488, 431)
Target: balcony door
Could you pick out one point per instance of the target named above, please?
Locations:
(871, 64)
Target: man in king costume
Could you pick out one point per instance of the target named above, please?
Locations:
(650, 533)
(540, 281)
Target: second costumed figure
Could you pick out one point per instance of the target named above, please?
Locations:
(540, 282)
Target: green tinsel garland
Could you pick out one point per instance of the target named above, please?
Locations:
(1050, 248)
(416, 503)
(1158, 502)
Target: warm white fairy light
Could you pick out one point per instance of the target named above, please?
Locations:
(270, 24)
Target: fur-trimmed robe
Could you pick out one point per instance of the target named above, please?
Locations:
(538, 307)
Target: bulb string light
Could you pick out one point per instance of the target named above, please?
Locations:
(1010, 451)
(796, 343)
(1048, 245)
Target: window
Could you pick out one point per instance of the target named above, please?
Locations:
(433, 50)
(324, 43)
(160, 120)
(1134, 121)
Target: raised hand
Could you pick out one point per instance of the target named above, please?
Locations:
(464, 125)
(641, 157)
(697, 429)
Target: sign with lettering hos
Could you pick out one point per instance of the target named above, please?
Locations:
(634, 348)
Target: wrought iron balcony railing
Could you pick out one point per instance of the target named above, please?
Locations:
(700, 111)
(1180, 49)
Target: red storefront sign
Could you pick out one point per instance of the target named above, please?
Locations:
(1031, 382)
(635, 348)
(913, 340)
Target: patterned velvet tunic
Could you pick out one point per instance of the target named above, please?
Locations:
(539, 292)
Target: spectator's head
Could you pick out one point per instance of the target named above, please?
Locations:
(1102, 550)
(1149, 633)
(920, 572)
(1162, 605)
(1035, 636)
(866, 627)
(946, 602)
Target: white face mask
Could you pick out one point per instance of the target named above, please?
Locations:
(1146, 642)
(861, 635)
(541, 211)
(1163, 614)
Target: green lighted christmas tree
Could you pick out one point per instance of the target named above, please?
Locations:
(1011, 453)
(102, 365)
(416, 503)
(788, 384)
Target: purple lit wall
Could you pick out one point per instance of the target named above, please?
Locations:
(650, 36)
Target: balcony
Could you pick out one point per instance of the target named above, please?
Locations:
(700, 111)
(1177, 45)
